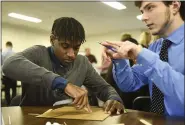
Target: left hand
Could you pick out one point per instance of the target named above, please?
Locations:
(113, 106)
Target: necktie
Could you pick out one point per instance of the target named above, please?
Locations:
(157, 103)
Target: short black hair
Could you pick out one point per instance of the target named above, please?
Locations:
(128, 37)
(132, 40)
(9, 43)
(68, 28)
(167, 3)
(92, 58)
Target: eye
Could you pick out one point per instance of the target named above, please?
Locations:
(77, 48)
(64, 45)
(149, 8)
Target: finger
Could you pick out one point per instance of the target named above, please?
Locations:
(118, 111)
(104, 106)
(104, 55)
(115, 44)
(76, 100)
(109, 105)
(111, 47)
(82, 92)
(110, 53)
(122, 52)
(88, 106)
(117, 56)
(112, 109)
(84, 102)
(80, 102)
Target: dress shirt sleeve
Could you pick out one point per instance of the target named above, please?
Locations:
(128, 78)
(169, 81)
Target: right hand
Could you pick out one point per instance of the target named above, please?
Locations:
(80, 96)
(125, 50)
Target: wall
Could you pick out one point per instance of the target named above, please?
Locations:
(22, 38)
(96, 48)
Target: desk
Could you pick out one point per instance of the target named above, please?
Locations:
(19, 116)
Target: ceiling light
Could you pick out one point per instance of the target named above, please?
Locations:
(23, 17)
(139, 17)
(116, 5)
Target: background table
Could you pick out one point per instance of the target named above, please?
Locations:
(19, 116)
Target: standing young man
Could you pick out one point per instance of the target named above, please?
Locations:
(162, 64)
(58, 69)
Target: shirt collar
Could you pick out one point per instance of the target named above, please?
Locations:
(177, 35)
(54, 58)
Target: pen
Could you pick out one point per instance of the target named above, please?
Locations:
(109, 47)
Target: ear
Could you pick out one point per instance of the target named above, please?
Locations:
(52, 38)
(176, 7)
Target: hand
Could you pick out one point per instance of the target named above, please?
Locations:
(80, 96)
(105, 55)
(113, 106)
(125, 49)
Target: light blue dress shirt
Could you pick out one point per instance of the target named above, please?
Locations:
(168, 76)
(6, 54)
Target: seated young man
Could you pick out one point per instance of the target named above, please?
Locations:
(49, 74)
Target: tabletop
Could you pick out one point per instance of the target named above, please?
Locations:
(19, 116)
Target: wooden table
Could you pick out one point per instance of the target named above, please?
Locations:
(19, 116)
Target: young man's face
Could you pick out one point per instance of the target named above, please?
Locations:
(65, 51)
(157, 16)
(87, 51)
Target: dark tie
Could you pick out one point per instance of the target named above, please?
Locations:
(157, 104)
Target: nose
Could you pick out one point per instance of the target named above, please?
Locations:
(71, 53)
(144, 17)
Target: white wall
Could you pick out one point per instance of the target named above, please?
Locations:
(96, 48)
(22, 38)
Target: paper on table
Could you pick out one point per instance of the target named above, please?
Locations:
(69, 112)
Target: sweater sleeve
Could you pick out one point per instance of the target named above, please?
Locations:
(23, 66)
